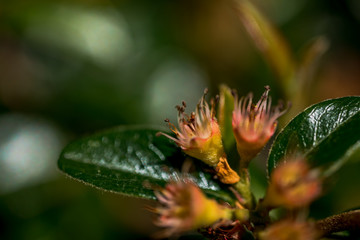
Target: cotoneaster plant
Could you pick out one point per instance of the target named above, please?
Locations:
(215, 199)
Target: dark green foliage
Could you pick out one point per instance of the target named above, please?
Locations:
(326, 133)
(131, 161)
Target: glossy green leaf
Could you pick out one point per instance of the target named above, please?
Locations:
(127, 160)
(226, 107)
(326, 133)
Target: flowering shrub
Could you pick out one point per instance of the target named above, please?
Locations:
(293, 184)
(216, 198)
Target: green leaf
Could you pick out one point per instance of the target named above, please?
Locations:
(226, 107)
(326, 133)
(126, 160)
(247, 234)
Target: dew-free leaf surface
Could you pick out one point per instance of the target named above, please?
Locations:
(130, 161)
(326, 133)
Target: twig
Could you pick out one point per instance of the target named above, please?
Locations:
(341, 222)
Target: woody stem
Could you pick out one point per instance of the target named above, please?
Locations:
(341, 222)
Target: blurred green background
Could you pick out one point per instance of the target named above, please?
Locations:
(70, 68)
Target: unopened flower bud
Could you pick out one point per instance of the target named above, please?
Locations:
(293, 184)
(253, 124)
(184, 207)
(289, 229)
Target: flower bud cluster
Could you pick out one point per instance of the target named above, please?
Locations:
(293, 185)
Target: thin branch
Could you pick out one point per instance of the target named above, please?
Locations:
(341, 222)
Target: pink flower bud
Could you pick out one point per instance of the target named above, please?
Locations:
(199, 134)
(293, 185)
(254, 124)
(184, 207)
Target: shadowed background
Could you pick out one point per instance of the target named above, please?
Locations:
(69, 68)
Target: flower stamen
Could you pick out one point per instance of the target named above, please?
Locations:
(199, 136)
(254, 123)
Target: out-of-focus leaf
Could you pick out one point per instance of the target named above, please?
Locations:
(310, 57)
(268, 41)
(126, 160)
(258, 180)
(226, 107)
(247, 235)
(294, 75)
(306, 68)
(325, 133)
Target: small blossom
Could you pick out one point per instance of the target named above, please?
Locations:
(199, 134)
(290, 230)
(184, 207)
(293, 184)
(254, 124)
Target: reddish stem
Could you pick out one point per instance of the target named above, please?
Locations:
(341, 222)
